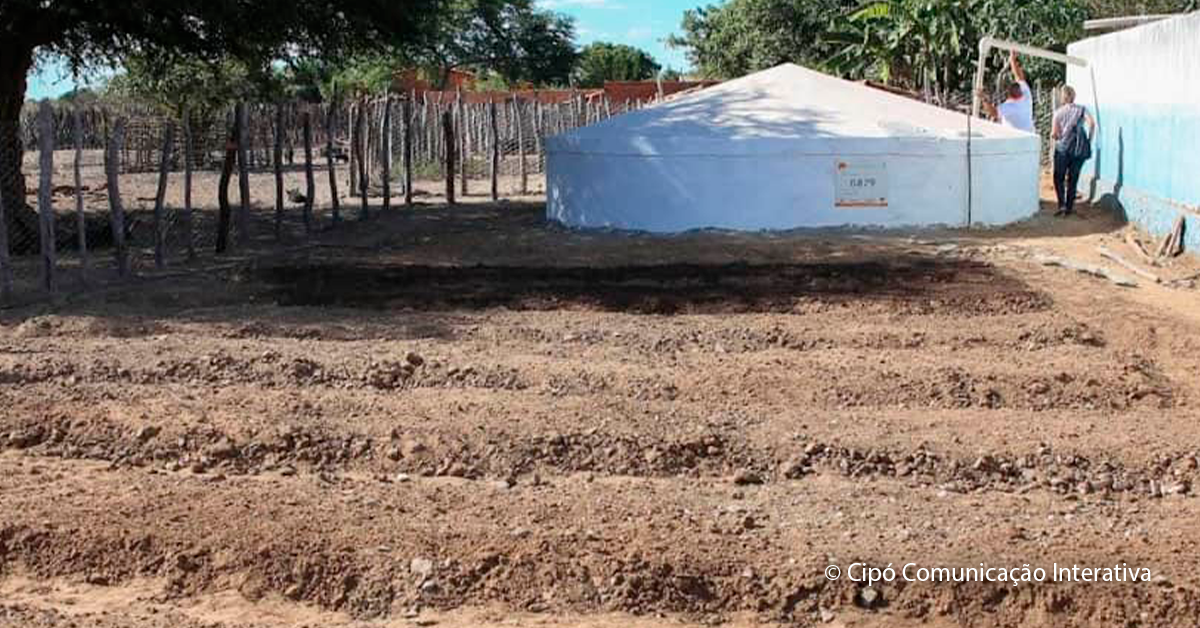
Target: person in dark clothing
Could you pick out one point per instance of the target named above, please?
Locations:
(1068, 157)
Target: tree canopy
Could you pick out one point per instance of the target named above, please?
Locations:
(1121, 8)
(513, 38)
(161, 33)
(742, 36)
(910, 43)
(602, 61)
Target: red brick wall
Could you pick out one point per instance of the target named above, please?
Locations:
(620, 91)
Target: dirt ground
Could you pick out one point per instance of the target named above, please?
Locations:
(470, 417)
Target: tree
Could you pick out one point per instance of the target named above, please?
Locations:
(743, 36)
(931, 43)
(513, 38)
(909, 43)
(1120, 8)
(602, 61)
(190, 82)
(89, 31)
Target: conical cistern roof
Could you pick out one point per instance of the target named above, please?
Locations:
(785, 109)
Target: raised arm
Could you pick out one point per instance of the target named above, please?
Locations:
(1017, 70)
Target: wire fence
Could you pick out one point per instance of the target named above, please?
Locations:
(116, 192)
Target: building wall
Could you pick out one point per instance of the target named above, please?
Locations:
(1143, 85)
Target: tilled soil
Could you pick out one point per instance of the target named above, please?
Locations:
(471, 418)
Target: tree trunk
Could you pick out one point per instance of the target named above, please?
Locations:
(448, 129)
(243, 151)
(278, 159)
(310, 181)
(331, 161)
(19, 217)
(224, 212)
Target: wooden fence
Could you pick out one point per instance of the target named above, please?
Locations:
(325, 164)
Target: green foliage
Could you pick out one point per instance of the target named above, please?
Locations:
(909, 43)
(254, 32)
(671, 74)
(1120, 8)
(742, 36)
(602, 61)
(361, 75)
(513, 38)
(178, 83)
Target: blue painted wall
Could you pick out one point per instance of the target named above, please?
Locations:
(1143, 86)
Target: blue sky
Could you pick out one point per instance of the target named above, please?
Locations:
(642, 23)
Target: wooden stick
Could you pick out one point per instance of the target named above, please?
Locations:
(160, 219)
(1137, 247)
(495, 128)
(278, 159)
(522, 164)
(45, 120)
(360, 148)
(224, 211)
(464, 142)
(1172, 244)
(310, 181)
(1108, 254)
(538, 135)
(368, 135)
(116, 212)
(385, 149)
(243, 139)
(352, 129)
(331, 161)
(448, 129)
(408, 152)
(5, 263)
(1176, 247)
(189, 243)
(85, 260)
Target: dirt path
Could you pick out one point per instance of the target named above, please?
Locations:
(468, 417)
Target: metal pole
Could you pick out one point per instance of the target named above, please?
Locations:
(988, 43)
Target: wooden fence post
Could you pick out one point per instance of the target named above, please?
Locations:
(539, 130)
(160, 219)
(495, 161)
(464, 143)
(5, 264)
(408, 152)
(518, 120)
(385, 149)
(224, 211)
(116, 212)
(360, 126)
(331, 161)
(45, 123)
(243, 216)
(189, 242)
(310, 182)
(278, 159)
(85, 260)
(352, 152)
(448, 130)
